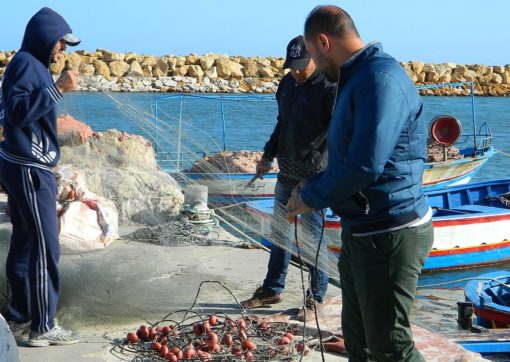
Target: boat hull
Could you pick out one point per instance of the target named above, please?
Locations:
(465, 235)
(227, 188)
(490, 298)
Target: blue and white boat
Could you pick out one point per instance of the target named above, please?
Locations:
(471, 225)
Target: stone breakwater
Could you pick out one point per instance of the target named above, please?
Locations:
(214, 73)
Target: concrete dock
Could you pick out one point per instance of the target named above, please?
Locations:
(105, 294)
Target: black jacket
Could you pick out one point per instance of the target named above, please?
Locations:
(299, 138)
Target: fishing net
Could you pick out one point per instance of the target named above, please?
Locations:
(123, 168)
(192, 335)
(187, 136)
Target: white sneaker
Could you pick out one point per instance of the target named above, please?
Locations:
(18, 329)
(57, 336)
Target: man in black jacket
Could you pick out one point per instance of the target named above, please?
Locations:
(305, 101)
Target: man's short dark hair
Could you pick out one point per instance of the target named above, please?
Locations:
(331, 20)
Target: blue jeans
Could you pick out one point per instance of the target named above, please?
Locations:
(283, 232)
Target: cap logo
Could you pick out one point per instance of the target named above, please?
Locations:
(295, 51)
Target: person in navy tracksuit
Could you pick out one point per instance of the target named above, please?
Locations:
(29, 152)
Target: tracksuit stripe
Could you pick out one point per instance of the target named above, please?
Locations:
(42, 272)
(52, 94)
(22, 161)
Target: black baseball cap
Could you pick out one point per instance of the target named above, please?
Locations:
(297, 55)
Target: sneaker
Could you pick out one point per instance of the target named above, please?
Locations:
(56, 336)
(262, 296)
(311, 306)
(18, 330)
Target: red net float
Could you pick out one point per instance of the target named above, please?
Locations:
(445, 129)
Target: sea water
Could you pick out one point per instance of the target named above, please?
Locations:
(204, 125)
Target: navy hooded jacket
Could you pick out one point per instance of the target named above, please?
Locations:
(376, 146)
(29, 95)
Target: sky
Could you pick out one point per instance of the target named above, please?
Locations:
(438, 31)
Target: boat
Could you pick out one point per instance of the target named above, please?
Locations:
(484, 316)
(471, 225)
(474, 149)
(489, 295)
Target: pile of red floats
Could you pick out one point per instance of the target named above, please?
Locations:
(216, 338)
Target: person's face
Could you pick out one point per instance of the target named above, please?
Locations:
(301, 75)
(322, 59)
(58, 49)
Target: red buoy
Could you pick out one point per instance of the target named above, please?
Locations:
(445, 129)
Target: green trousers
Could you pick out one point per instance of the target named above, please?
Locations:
(378, 275)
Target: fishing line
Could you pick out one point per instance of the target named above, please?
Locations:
(310, 289)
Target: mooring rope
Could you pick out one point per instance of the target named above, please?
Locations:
(426, 286)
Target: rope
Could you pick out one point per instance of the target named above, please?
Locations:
(426, 286)
(502, 152)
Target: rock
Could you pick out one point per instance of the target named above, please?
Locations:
(180, 61)
(505, 78)
(223, 67)
(251, 69)
(82, 52)
(58, 67)
(479, 69)
(160, 69)
(172, 64)
(496, 78)
(417, 66)
(277, 63)
(206, 62)
(87, 69)
(488, 71)
(457, 77)
(147, 71)
(195, 71)
(192, 59)
(135, 69)
(181, 71)
(461, 70)
(236, 70)
(265, 72)
(442, 69)
(109, 56)
(470, 75)
(445, 78)
(429, 68)
(118, 68)
(101, 68)
(74, 61)
(211, 73)
(169, 83)
(8, 347)
(149, 61)
(131, 57)
(421, 77)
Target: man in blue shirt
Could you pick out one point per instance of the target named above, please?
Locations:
(27, 155)
(376, 156)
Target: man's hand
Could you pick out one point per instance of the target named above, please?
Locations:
(263, 167)
(295, 206)
(67, 81)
